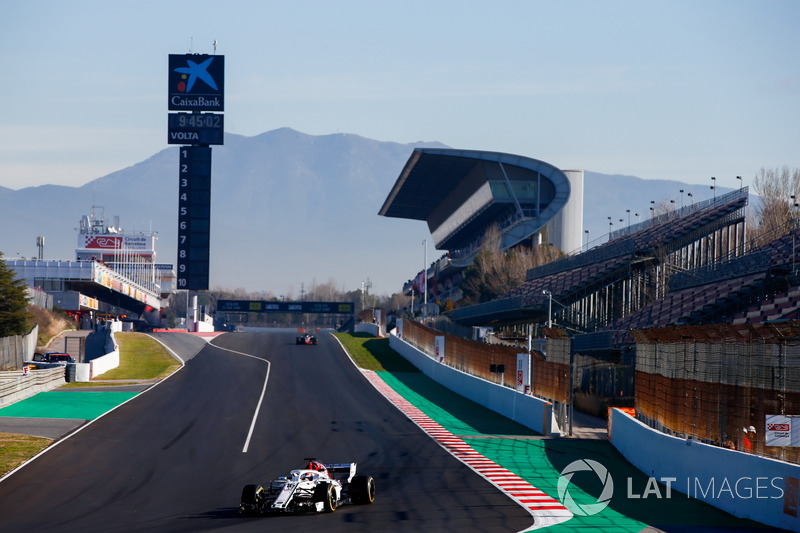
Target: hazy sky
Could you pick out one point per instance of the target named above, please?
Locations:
(672, 89)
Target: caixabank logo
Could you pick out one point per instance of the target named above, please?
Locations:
(196, 82)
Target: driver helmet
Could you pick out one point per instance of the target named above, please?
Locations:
(319, 467)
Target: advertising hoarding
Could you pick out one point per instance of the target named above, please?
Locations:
(438, 344)
(136, 243)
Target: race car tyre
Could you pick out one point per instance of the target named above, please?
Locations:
(251, 500)
(362, 489)
(326, 493)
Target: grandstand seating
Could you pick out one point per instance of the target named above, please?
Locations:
(571, 278)
(564, 283)
(661, 232)
(782, 251)
(693, 304)
(784, 305)
(724, 291)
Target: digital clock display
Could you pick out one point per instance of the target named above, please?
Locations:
(196, 120)
(195, 128)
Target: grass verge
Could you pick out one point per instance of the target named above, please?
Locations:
(16, 449)
(89, 384)
(140, 357)
(372, 353)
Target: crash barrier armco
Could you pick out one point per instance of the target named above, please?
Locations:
(530, 411)
(744, 485)
(17, 385)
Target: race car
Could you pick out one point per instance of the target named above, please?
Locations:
(306, 339)
(312, 488)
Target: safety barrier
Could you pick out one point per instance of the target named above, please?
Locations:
(19, 384)
(711, 382)
(15, 350)
(530, 411)
(369, 328)
(744, 485)
(107, 362)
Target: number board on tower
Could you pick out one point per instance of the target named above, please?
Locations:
(194, 217)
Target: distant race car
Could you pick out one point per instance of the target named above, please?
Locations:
(312, 488)
(306, 339)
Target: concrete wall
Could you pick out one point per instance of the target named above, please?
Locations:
(744, 485)
(531, 412)
(103, 364)
(107, 362)
(368, 327)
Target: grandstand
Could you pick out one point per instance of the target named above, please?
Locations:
(627, 281)
(684, 317)
(461, 193)
(114, 274)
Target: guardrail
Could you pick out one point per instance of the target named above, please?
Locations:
(17, 385)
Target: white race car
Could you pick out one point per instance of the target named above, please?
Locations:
(311, 489)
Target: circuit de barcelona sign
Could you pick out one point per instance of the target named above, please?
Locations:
(196, 82)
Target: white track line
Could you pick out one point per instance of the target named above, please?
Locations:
(260, 399)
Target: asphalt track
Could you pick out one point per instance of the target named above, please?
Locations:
(174, 459)
(418, 487)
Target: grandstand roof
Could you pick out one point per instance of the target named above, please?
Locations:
(460, 193)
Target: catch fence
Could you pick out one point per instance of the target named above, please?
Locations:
(713, 383)
(549, 375)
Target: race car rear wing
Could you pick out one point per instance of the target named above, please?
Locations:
(342, 468)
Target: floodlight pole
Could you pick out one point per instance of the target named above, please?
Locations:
(425, 281)
(549, 307)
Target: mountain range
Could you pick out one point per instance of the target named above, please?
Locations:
(288, 211)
